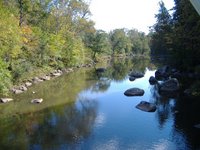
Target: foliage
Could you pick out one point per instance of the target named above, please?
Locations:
(187, 30)
(5, 77)
(178, 35)
(121, 44)
(161, 31)
(140, 42)
(99, 43)
(10, 40)
(41, 34)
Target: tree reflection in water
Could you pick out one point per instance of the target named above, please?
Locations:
(117, 71)
(185, 114)
(52, 128)
(165, 106)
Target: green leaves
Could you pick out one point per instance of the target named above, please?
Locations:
(5, 78)
(10, 37)
(161, 31)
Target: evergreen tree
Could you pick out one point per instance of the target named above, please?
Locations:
(186, 45)
(161, 38)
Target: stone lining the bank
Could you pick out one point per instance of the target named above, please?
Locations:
(56, 73)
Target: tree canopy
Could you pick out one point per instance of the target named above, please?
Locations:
(178, 35)
(42, 35)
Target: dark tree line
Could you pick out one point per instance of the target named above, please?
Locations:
(177, 34)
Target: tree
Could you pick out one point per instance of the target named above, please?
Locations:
(99, 43)
(10, 39)
(186, 45)
(139, 40)
(120, 42)
(161, 38)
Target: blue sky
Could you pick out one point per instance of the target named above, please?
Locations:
(112, 14)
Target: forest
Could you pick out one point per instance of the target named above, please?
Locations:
(177, 34)
(38, 36)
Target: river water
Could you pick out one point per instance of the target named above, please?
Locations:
(86, 110)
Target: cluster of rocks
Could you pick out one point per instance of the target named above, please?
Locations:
(166, 82)
(143, 105)
(56, 73)
(35, 101)
(26, 84)
(164, 79)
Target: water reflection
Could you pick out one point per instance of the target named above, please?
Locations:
(51, 128)
(185, 113)
(88, 110)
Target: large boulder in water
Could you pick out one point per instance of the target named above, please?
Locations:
(162, 73)
(146, 106)
(170, 86)
(134, 92)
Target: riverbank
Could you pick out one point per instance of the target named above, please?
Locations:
(38, 76)
(24, 85)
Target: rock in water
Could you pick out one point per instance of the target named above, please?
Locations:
(5, 100)
(162, 73)
(152, 80)
(146, 106)
(37, 101)
(136, 74)
(170, 86)
(134, 92)
(131, 78)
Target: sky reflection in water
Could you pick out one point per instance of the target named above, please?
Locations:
(102, 117)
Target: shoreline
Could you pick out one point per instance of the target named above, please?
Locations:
(24, 85)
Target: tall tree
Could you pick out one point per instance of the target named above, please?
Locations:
(187, 34)
(161, 38)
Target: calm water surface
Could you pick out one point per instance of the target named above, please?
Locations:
(86, 110)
